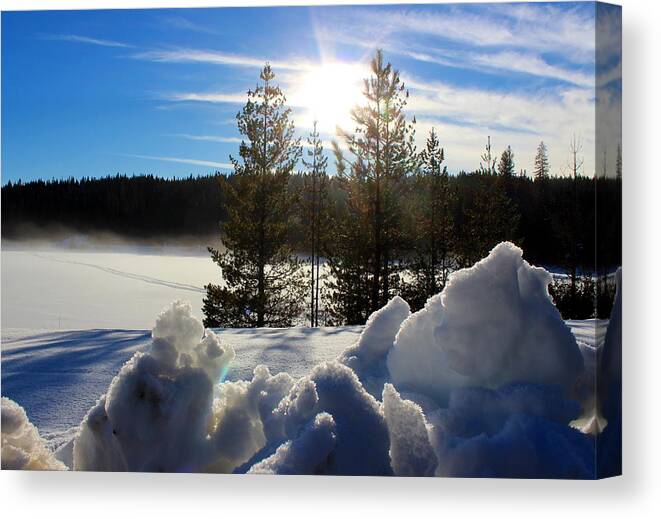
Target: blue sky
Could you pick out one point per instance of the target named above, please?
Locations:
(92, 93)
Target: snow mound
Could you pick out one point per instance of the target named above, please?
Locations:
(307, 454)
(493, 324)
(525, 447)
(518, 431)
(367, 358)
(155, 414)
(22, 447)
(360, 429)
(238, 427)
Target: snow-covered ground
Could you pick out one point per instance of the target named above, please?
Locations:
(460, 388)
(78, 365)
(60, 289)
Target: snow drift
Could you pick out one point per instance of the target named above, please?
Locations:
(367, 358)
(22, 447)
(493, 324)
(155, 414)
(478, 383)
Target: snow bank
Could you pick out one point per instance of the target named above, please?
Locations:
(22, 447)
(518, 431)
(360, 431)
(367, 358)
(493, 324)
(155, 414)
(475, 384)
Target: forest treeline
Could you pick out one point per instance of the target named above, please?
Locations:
(391, 221)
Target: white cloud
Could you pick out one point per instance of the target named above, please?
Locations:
(464, 117)
(86, 39)
(187, 55)
(533, 65)
(206, 97)
(543, 28)
(180, 160)
(207, 138)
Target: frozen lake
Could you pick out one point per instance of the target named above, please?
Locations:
(72, 290)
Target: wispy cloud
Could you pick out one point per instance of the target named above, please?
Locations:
(207, 138)
(76, 38)
(465, 116)
(188, 55)
(179, 22)
(533, 65)
(181, 160)
(543, 28)
(498, 62)
(205, 97)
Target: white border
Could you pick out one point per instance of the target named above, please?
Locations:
(636, 494)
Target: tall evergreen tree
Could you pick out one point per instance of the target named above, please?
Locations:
(506, 164)
(383, 154)
(488, 162)
(263, 283)
(432, 226)
(315, 205)
(541, 169)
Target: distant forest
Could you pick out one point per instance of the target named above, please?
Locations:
(149, 207)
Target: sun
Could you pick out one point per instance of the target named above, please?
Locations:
(328, 92)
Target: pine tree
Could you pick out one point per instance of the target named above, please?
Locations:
(315, 205)
(506, 164)
(618, 162)
(263, 283)
(383, 154)
(488, 163)
(432, 226)
(541, 169)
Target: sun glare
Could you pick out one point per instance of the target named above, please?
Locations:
(327, 94)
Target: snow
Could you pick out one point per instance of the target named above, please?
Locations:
(78, 365)
(155, 413)
(307, 454)
(486, 380)
(610, 391)
(411, 452)
(59, 289)
(22, 447)
(367, 358)
(492, 325)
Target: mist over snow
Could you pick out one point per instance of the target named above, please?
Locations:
(482, 382)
